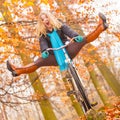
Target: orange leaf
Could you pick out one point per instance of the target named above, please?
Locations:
(44, 1)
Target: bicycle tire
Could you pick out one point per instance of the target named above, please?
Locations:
(85, 103)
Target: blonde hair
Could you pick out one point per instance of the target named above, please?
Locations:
(41, 29)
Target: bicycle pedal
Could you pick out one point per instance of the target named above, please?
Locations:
(69, 79)
(70, 92)
(94, 104)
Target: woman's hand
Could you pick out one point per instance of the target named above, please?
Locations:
(45, 54)
(78, 39)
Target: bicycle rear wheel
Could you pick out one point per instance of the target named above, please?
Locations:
(83, 99)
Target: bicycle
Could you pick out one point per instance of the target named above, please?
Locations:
(77, 86)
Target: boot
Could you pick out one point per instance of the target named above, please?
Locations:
(22, 70)
(100, 28)
(102, 20)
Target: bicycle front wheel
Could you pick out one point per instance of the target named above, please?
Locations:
(84, 99)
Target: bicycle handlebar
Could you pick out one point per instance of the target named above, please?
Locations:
(53, 49)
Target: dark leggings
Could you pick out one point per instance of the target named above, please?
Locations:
(72, 49)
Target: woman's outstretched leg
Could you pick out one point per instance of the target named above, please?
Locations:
(102, 25)
(72, 49)
(50, 61)
(75, 47)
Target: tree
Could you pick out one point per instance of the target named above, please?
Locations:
(13, 31)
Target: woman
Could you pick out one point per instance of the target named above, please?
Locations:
(47, 23)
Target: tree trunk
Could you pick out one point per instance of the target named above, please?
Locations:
(44, 104)
(109, 77)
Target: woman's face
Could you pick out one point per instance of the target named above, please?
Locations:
(45, 20)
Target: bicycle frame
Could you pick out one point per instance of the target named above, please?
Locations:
(78, 89)
(77, 85)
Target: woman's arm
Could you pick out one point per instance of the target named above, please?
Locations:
(71, 33)
(43, 47)
(43, 43)
(68, 31)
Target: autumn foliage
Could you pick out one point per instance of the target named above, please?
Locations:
(19, 43)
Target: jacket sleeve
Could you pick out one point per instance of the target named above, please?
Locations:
(43, 43)
(68, 31)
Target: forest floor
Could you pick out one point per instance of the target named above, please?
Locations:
(106, 113)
